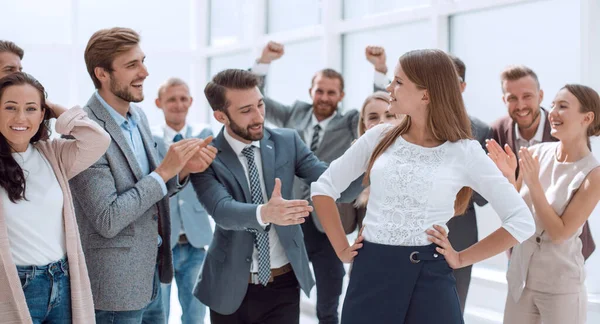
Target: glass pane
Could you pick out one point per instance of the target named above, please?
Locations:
(396, 40)
(289, 77)
(291, 14)
(552, 50)
(361, 8)
(162, 27)
(36, 22)
(225, 31)
(54, 77)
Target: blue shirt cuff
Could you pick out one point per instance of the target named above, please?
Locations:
(163, 186)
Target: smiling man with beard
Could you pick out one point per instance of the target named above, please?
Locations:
(527, 122)
(122, 201)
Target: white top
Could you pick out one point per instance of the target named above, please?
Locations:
(277, 253)
(35, 226)
(414, 187)
(537, 138)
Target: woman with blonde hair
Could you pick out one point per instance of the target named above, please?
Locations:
(560, 183)
(418, 172)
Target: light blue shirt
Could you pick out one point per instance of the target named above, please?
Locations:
(131, 132)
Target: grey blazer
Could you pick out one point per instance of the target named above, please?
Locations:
(223, 190)
(341, 131)
(120, 213)
(185, 207)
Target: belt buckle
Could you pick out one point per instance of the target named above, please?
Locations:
(412, 257)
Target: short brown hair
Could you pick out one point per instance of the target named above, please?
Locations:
(331, 74)
(10, 47)
(460, 66)
(516, 72)
(104, 46)
(228, 79)
(171, 82)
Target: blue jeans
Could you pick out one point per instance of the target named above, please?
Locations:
(187, 261)
(47, 291)
(151, 314)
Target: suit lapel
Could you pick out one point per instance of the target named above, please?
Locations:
(547, 137)
(227, 156)
(328, 133)
(148, 142)
(267, 153)
(110, 125)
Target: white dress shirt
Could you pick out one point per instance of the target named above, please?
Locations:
(414, 187)
(310, 130)
(277, 253)
(35, 226)
(537, 138)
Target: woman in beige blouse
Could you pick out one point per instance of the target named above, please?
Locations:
(560, 182)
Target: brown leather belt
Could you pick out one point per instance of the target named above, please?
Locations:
(274, 273)
(182, 239)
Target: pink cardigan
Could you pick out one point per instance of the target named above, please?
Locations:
(67, 158)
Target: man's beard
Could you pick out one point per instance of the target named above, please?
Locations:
(535, 118)
(122, 92)
(244, 132)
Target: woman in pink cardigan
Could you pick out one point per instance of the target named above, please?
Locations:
(43, 277)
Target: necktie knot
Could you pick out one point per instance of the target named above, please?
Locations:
(248, 152)
(177, 138)
(317, 128)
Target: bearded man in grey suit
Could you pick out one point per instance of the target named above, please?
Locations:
(122, 201)
(256, 263)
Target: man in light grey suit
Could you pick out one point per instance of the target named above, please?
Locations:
(121, 201)
(190, 228)
(328, 133)
(257, 261)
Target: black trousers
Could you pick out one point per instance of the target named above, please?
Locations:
(329, 272)
(276, 303)
(386, 287)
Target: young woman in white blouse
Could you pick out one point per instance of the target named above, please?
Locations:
(560, 182)
(43, 276)
(418, 172)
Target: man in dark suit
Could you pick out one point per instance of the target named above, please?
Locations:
(329, 133)
(256, 262)
(527, 122)
(122, 201)
(463, 228)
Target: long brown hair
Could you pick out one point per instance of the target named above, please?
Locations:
(447, 118)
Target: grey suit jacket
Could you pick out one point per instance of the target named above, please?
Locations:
(186, 210)
(223, 190)
(120, 213)
(341, 131)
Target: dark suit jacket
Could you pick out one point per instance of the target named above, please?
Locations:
(223, 190)
(504, 133)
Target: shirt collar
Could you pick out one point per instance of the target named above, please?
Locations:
(323, 123)
(539, 134)
(170, 132)
(236, 145)
(119, 119)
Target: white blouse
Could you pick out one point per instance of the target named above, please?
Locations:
(414, 187)
(36, 226)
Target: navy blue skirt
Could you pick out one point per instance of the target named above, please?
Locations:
(401, 284)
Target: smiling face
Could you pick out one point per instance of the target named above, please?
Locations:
(126, 80)
(566, 118)
(244, 117)
(522, 98)
(20, 115)
(406, 97)
(376, 112)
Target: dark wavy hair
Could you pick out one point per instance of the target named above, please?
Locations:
(12, 177)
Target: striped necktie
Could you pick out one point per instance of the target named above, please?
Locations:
(314, 144)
